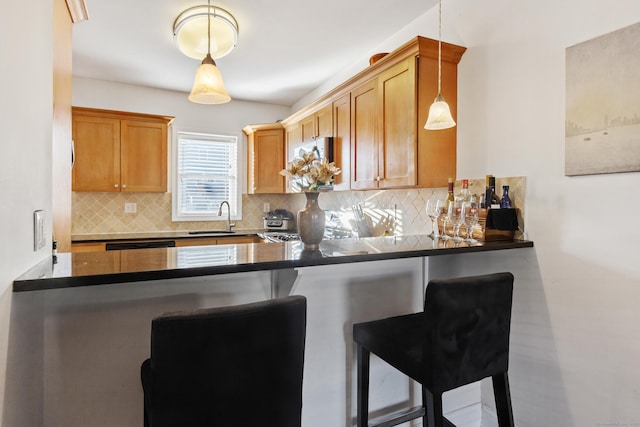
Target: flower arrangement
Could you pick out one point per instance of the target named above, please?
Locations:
(309, 173)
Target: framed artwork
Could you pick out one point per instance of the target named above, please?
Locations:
(602, 123)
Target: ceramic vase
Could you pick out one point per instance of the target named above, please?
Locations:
(311, 221)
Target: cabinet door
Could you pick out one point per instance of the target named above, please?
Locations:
(97, 154)
(145, 259)
(364, 137)
(342, 141)
(143, 156)
(294, 138)
(267, 161)
(324, 121)
(398, 141)
(308, 128)
(436, 148)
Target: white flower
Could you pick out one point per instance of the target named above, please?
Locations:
(308, 173)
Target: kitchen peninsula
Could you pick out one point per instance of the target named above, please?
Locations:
(96, 268)
(98, 306)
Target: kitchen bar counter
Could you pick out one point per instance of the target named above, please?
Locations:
(126, 266)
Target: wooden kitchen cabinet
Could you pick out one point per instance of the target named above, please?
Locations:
(364, 136)
(389, 104)
(397, 142)
(265, 158)
(342, 141)
(384, 144)
(119, 151)
(318, 124)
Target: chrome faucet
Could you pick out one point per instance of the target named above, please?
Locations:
(229, 224)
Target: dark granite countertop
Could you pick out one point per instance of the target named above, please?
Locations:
(126, 266)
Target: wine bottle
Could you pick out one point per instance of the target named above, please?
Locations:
(450, 197)
(487, 192)
(463, 196)
(491, 199)
(505, 202)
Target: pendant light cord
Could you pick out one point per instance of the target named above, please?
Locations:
(439, 46)
(209, 27)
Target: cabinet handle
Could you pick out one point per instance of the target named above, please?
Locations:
(124, 185)
(115, 185)
(377, 178)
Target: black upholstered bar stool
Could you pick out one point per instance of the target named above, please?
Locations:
(461, 337)
(227, 367)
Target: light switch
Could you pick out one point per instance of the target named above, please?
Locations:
(39, 238)
(266, 207)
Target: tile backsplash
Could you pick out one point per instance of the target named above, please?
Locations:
(95, 213)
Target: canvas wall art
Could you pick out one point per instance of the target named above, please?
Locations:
(602, 127)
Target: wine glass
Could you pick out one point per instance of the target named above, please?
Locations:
(454, 215)
(470, 219)
(435, 208)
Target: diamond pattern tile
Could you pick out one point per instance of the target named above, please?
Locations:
(95, 213)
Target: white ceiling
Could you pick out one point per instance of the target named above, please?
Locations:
(286, 48)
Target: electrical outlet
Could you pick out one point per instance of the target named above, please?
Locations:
(130, 208)
(39, 238)
(266, 207)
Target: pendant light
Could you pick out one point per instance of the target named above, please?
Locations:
(208, 87)
(439, 112)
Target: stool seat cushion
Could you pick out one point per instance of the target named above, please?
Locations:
(398, 340)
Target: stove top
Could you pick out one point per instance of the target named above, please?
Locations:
(279, 236)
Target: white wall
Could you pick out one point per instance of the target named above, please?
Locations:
(575, 357)
(26, 106)
(230, 117)
(576, 342)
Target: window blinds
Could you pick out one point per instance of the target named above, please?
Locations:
(207, 173)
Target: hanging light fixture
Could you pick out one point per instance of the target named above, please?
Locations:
(208, 87)
(439, 113)
(190, 25)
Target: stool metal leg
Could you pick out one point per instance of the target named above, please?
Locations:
(433, 407)
(363, 387)
(503, 400)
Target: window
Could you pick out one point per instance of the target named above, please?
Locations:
(206, 175)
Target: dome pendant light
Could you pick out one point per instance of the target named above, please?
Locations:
(208, 87)
(439, 112)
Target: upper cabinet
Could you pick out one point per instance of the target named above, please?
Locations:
(119, 151)
(315, 125)
(342, 141)
(265, 158)
(364, 136)
(378, 120)
(318, 124)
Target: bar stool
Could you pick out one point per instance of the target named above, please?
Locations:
(461, 337)
(230, 367)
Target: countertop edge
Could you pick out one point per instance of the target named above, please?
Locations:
(40, 283)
